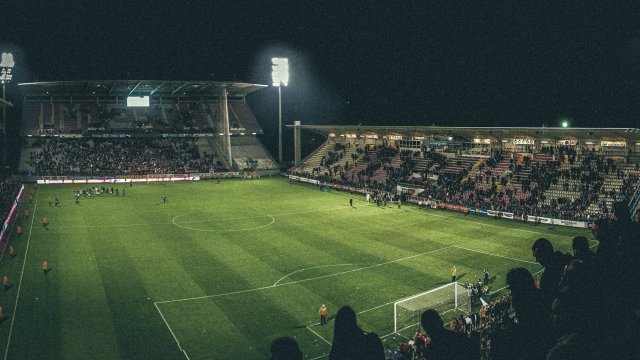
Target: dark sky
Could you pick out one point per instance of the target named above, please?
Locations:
(472, 63)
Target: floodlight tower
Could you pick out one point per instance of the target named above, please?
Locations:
(280, 77)
(6, 68)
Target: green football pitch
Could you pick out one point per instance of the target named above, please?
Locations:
(222, 269)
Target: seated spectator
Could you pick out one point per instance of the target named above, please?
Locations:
(350, 342)
(285, 348)
(445, 344)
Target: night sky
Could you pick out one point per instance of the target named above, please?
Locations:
(467, 63)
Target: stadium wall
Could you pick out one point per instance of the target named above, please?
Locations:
(4, 234)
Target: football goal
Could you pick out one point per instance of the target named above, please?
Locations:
(449, 300)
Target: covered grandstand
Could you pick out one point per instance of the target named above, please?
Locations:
(212, 120)
(575, 174)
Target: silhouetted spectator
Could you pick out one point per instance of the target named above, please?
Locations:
(446, 344)
(553, 263)
(524, 337)
(350, 342)
(571, 321)
(581, 251)
(285, 348)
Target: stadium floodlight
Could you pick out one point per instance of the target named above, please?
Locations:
(280, 77)
(565, 124)
(6, 69)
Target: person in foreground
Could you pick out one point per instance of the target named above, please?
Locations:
(352, 343)
(285, 348)
(446, 344)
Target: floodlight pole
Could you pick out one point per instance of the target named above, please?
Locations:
(4, 130)
(280, 125)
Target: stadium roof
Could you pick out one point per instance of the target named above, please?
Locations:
(5, 104)
(155, 88)
(471, 132)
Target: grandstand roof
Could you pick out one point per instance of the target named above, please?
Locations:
(156, 88)
(5, 104)
(557, 133)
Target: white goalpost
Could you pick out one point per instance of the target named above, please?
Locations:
(450, 299)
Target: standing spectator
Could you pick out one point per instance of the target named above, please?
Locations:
(553, 263)
(285, 348)
(350, 342)
(523, 338)
(323, 312)
(446, 344)
(581, 251)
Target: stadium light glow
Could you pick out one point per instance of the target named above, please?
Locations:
(137, 101)
(280, 77)
(6, 69)
(280, 71)
(565, 124)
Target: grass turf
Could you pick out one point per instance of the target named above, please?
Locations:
(222, 269)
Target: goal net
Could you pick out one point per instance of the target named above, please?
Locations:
(448, 300)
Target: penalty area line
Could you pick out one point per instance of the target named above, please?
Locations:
(490, 254)
(318, 335)
(171, 331)
(303, 280)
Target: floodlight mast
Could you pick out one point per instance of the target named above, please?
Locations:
(6, 68)
(280, 76)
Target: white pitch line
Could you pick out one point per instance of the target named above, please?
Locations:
(500, 256)
(315, 267)
(26, 252)
(171, 331)
(303, 280)
(319, 357)
(318, 335)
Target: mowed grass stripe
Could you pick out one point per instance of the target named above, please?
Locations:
(146, 257)
(130, 307)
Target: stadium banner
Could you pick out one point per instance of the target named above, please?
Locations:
(506, 215)
(14, 210)
(578, 224)
(455, 207)
(303, 179)
(124, 180)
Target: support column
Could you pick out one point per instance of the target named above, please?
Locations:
(297, 144)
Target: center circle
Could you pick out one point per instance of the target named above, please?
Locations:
(223, 221)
